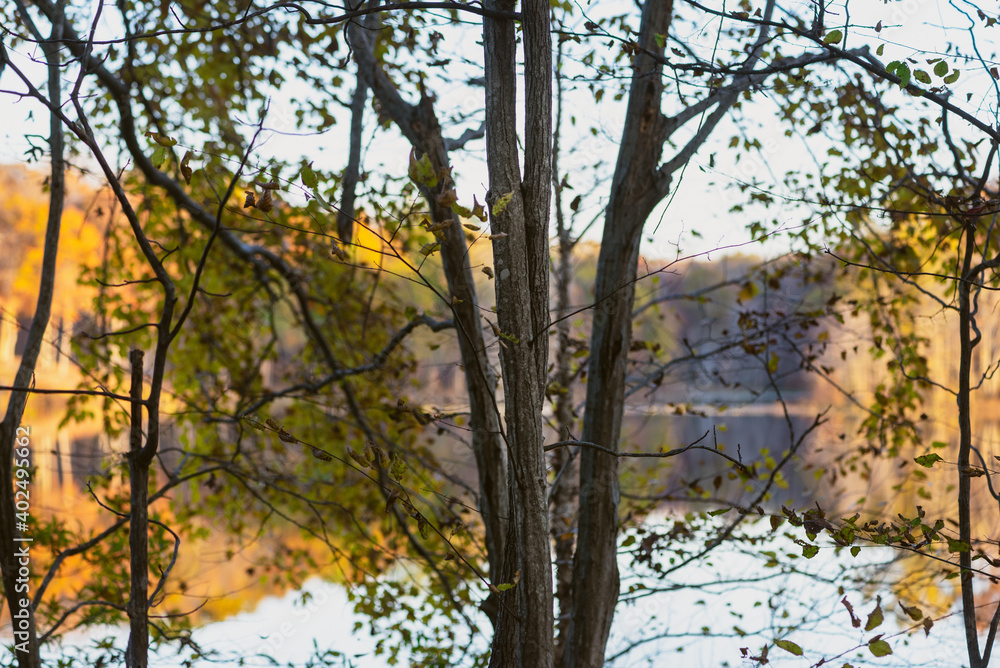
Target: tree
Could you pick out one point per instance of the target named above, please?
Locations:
(11, 433)
(935, 251)
(273, 290)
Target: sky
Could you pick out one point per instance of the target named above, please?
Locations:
(702, 194)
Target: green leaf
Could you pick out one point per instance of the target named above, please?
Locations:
(427, 249)
(875, 617)
(833, 37)
(789, 646)
(398, 468)
(880, 50)
(661, 40)
(879, 647)
(922, 76)
(957, 545)
(772, 364)
(720, 511)
(505, 586)
(953, 77)
(309, 178)
(927, 461)
(809, 551)
(941, 68)
(159, 155)
(461, 210)
(501, 203)
(855, 551)
(422, 171)
(901, 70)
(914, 613)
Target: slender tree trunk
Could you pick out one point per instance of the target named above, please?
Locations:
(638, 185)
(420, 126)
(965, 449)
(349, 184)
(136, 655)
(12, 551)
(520, 249)
(565, 484)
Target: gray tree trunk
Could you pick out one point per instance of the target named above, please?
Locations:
(565, 483)
(524, 631)
(12, 551)
(137, 651)
(637, 187)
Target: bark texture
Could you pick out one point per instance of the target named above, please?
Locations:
(524, 631)
(137, 652)
(964, 450)
(349, 185)
(9, 560)
(565, 483)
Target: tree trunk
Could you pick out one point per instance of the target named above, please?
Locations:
(520, 249)
(965, 449)
(565, 484)
(420, 126)
(14, 547)
(137, 652)
(637, 187)
(349, 183)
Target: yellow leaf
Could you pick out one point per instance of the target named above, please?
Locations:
(501, 204)
(747, 292)
(422, 171)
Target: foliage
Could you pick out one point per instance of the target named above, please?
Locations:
(289, 348)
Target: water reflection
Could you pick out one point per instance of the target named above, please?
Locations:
(748, 438)
(835, 466)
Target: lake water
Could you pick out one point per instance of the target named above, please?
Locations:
(689, 625)
(695, 617)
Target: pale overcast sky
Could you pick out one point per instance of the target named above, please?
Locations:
(701, 200)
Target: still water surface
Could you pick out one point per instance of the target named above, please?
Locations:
(704, 615)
